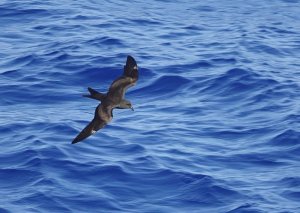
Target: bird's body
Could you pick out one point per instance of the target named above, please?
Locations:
(113, 99)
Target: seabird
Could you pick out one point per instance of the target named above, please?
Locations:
(100, 97)
(113, 99)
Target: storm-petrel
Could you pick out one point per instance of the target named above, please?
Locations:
(113, 99)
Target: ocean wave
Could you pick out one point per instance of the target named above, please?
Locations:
(287, 138)
(215, 126)
(167, 84)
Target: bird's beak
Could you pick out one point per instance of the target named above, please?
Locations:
(132, 108)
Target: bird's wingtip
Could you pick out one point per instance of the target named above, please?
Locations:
(131, 60)
(75, 141)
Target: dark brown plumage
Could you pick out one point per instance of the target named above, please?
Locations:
(113, 99)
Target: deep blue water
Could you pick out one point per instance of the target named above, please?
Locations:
(216, 126)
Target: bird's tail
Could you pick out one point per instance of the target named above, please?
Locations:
(95, 95)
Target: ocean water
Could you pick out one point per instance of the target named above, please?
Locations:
(216, 126)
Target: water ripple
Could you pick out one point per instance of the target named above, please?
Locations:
(216, 120)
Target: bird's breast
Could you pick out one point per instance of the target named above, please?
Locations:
(104, 113)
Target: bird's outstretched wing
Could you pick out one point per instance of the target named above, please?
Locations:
(90, 129)
(131, 68)
(130, 76)
(95, 95)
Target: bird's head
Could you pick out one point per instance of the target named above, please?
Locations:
(125, 104)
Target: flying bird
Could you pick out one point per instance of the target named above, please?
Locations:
(114, 98)
(124, 104)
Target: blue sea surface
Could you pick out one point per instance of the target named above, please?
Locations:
(216, 126)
